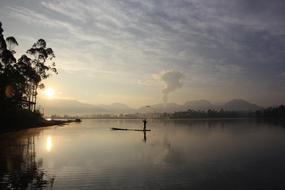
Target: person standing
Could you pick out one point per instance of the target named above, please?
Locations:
(144, 124)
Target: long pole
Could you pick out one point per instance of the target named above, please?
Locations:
(152, 110)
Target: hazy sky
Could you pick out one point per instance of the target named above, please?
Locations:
(135, 51)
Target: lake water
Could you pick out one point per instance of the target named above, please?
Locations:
(181, 154)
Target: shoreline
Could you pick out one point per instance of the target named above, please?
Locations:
(43, 123)
(47, 123)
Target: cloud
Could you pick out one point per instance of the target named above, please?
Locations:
(146, 82)
(171, 81)
(134, 37)
(229, 68)
(73, 9)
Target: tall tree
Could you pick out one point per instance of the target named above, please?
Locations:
(20, 79)
(11, 80)
(41, 66)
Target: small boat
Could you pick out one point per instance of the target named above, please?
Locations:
(122, 129)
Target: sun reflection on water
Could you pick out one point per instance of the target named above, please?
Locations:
(49, 143)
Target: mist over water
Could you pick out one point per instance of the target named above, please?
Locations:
(176, 154)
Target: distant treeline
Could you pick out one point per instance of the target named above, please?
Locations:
(271, 112)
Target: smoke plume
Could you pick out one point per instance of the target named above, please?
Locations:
(171, 81)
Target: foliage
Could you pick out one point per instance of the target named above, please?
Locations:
(209, 114)
(271, 112)
(19, 77)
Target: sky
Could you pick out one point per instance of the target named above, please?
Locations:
(146, 52)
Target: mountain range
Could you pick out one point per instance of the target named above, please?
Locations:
(74, 107)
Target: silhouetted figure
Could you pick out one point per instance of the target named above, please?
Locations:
(144, 124)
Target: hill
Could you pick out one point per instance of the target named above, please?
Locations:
(240, 105)
(74, 107)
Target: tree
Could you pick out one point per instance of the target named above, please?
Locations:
(39, 67)
(20, 79)
(10, 79)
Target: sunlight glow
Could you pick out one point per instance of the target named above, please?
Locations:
(49, 143)
(50, 92)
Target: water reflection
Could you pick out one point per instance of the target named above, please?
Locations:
(49, 143)
(182, 154)
(19, 166)
(171, 156)
(144, 136)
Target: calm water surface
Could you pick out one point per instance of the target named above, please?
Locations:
(193, 154)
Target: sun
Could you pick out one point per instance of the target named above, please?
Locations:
(49, 92)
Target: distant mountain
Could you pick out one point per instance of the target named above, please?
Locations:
(240, 105)
(204, 105)
(69, 107)
(74, 107)
(168, 107)
(198, 105)
(117, 108)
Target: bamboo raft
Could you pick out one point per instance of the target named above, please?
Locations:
(122, 129)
